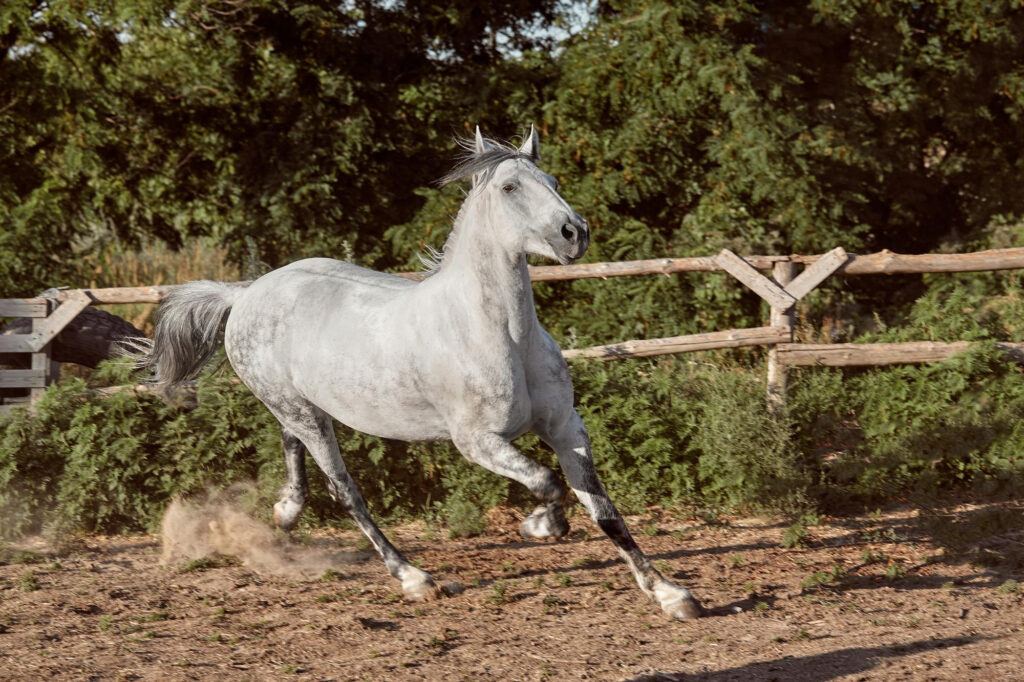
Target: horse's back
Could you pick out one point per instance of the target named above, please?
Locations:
(311, 307)
(307, 290)
(328, 274)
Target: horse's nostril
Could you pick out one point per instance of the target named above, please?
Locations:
(569, 232)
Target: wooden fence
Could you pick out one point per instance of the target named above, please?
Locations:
(791, 278)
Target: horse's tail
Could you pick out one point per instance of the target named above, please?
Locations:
(188, 332)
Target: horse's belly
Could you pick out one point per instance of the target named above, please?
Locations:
(367, 392)
(386, 416)
(373, 397)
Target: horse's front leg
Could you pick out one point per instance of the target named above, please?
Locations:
(571, 443)
(496, 454)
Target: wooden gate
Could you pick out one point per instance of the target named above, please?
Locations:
(48, 319)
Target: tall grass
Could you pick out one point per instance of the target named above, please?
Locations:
(154, 264)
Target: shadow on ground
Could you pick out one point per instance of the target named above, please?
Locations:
(826, 666)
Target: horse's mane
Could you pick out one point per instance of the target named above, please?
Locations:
(470, 163)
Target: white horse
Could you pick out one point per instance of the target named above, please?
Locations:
(459, 356)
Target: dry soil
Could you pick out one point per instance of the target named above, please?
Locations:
(868, 598)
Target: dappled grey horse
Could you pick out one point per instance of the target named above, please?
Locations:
(459, 355)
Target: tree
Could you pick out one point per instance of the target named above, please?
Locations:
(681, 128)
(301, 128)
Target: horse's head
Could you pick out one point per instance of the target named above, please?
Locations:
(522, 201)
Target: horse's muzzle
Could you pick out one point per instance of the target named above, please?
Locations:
(577, 234)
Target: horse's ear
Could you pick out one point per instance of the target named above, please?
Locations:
(531, 147)
(479, 146)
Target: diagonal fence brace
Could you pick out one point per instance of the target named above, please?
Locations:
(45, 329)
(776, 296)
(782, 297)
(816, 273)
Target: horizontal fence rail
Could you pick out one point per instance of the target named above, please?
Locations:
(732, 338)
(860, 354)
(881, 263)
(785, 286)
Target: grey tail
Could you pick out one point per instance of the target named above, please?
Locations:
(189, 330)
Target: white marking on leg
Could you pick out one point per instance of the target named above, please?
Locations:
(545, 522)
(417, 585)
(286, 513)
(675, 601)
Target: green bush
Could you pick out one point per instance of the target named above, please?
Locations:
(111, 463)
(641, 416)
(673, 431)
(923, 430)
(952, 426)
(99, 463)
(668, 432)
(747, 455)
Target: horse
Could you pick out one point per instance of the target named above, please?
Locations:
(459, 355)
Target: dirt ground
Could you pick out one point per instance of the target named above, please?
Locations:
(868, 598)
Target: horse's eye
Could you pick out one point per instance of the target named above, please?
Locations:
(510, 187)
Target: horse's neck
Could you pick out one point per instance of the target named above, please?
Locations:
(487, 280)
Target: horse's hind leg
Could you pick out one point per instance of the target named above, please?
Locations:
(296, 489)
(496, 454)
(314, 428)
(571, 443)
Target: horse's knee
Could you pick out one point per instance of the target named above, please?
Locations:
(551, 488)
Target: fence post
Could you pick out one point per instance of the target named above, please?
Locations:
(783, 272)
(42, 359)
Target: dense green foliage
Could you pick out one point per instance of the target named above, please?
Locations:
(316, 128)
(770, 127)
(110, 463)
(277, 130)
(668, 432)
(304, 126)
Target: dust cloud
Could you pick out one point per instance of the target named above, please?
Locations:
(216, 526)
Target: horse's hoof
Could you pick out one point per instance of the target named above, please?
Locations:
(286, 514)
(684, 609)
(545, 522)
(417, 585)
(677, 602)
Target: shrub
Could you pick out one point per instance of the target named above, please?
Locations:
(641, 416)
(747, 455)
(917, 430)
(464, 518)
(666, 432)
(98, 463)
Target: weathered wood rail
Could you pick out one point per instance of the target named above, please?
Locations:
(855, 354)
(881, 263)
(792, 278)
(731, 338)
